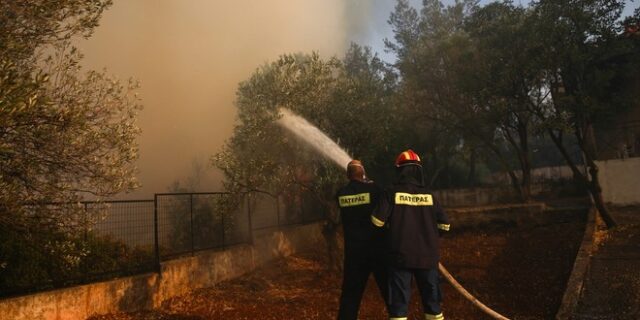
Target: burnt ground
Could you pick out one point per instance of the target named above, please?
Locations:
(519, 272)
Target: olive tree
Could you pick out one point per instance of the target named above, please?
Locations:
(64, 133)
(347, 99)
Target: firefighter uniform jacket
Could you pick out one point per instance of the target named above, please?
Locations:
(356, 201)
(414, 219)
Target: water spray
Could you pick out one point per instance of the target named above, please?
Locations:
(327, 147)
(313, 136)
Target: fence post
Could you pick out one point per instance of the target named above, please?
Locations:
(278, 209)
(85, 228)
(86, 221)
(155, 233)
(305, 211)
(249, 216)
(224, 230)
(191, 220)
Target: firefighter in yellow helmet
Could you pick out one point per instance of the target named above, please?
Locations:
(414, 220)
(363, 243)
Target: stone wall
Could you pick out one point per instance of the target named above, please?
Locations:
(149, 290)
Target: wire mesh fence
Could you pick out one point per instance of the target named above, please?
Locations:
(188, 223)
(120, 238)
(130, 221)
(276, 212)
(103, 240)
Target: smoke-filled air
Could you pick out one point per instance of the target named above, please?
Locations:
(189, 57)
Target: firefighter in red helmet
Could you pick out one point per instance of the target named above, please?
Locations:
(363, 243)
(414, 220)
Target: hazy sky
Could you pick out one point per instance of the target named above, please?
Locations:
(190, 55)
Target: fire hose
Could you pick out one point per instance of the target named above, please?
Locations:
(468, 295)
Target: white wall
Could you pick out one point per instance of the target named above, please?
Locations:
(620, 180)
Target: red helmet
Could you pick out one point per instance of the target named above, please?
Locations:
(408, 157)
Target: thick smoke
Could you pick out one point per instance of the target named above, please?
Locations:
(190, 55)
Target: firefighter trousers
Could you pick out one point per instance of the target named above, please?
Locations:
(400, 291)
(357, 269)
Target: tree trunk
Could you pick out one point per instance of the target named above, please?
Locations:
(587, 142)
(447, 172)
(596, 192)
(436, 172)
(334, 252)
(515, 182)
(435, 176)
(517, 185)
(330, 234)
(521, 147)
(471, 177)
(592, 185)
(526, 187)
(577, 174)
(525, 161)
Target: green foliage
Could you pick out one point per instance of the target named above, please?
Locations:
(260, 155)
(349, 100)
(584, 55)
(196, 222)
(362, 112)
(49, 259)
(474, 84)
(590, 68)
(444, 94)
(63, 133)
(28, 26)
(106, 255)
(490, 77)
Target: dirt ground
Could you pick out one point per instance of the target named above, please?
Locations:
(519, 272)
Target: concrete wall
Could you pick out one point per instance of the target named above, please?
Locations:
(474, 196)
(538, 175)
(485, 196)
(620, 180)
(571, 296)
(150, 290)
